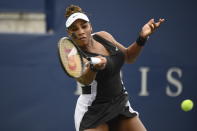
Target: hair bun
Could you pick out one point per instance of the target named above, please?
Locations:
(72, 9)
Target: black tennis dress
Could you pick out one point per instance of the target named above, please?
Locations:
(105, 98)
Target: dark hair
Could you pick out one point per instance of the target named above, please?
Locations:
(71, 10)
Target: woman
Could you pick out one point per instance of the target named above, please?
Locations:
(103, 104)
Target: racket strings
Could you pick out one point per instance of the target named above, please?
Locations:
(70, 58)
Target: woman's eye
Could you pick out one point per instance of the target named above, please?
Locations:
(74, 29)
(84, 26)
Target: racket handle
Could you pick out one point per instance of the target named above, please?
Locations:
(95, 60)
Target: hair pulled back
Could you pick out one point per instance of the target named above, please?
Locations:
(72, 9)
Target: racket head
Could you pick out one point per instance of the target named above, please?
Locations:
(70, 58)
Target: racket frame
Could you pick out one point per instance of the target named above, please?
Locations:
(81, 55)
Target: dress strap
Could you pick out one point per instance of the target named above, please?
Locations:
(105, 43)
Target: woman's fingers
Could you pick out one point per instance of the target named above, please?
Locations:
(101, 65)
(150, 27)
(159, 22)
(153, 25)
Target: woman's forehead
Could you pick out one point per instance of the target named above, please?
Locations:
(78, 22)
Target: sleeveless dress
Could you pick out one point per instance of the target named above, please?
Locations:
(105, 98)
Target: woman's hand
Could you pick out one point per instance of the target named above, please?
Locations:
(150, 27)
(101, 65)
(89, 74)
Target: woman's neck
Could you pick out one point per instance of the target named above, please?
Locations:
(90, 46)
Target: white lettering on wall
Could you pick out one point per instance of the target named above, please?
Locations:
(171, 79)
(144, 91)
(174, 81)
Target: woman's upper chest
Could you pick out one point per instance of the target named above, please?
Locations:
(98, 48)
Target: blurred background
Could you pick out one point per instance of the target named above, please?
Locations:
(37, 95)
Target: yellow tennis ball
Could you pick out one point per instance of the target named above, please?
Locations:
(187, 105)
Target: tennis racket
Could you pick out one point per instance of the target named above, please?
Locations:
(73, 59)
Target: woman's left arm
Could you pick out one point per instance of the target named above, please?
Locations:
(133, 51)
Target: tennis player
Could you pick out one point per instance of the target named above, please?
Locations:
(103, 104)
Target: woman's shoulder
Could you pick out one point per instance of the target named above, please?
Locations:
(106, 35)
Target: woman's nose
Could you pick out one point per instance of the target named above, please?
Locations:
(80, 31)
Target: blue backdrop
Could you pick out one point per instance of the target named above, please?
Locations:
(36, 94)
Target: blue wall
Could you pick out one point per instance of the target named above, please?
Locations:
(36, 94)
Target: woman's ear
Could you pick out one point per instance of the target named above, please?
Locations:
(91, 28)
(69, 33)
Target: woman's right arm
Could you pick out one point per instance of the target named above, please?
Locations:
(90, 74)
(87, 77)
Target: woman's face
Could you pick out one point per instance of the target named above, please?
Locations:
(80, 31)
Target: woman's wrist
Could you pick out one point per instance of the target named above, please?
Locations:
(141, 41)
(92, 68)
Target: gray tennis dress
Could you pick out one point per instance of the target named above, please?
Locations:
(105, 98)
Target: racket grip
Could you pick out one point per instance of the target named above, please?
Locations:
(95, 60)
